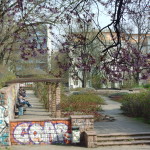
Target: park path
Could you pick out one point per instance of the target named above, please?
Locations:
(122, 124)
(37, 111)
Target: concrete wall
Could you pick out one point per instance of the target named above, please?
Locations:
(7, 102)
(52, 131)
(41, 132)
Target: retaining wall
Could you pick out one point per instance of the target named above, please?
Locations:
(52, 131)
(49, 131)
(7, 102)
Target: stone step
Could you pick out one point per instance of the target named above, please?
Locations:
(123, 143)
(124, 134)
(126, 138)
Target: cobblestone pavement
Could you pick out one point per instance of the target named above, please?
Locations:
(122, 124)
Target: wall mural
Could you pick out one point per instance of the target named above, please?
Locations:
(49, 132)
(4, 123)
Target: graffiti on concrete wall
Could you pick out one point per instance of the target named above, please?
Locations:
(7, 100)
(49, 132)
(4, 133)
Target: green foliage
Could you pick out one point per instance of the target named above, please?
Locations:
(117, 96)
(137, 105)
(85, 103)
(147, 86)
(83, 90)
(41, 91)
(5, 75)
(77, 89)
(56, 70)
(130, 83)
(96, 81)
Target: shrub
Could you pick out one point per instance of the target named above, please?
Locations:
(147, 86)
(137, 105)
(86, 103)
(83, 103)
(117, 96)
(89, 89)
(41, 91)
(5, 75)
(77, 89)
(130, 83)
(97, 81)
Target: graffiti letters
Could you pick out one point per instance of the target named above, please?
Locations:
(3, 125)
(49, 132)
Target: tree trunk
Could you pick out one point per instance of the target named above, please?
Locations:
(136, 77)
(1, 60)
(84, 79)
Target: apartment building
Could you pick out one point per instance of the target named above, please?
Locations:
(139, 41)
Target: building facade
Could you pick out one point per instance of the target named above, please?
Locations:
(140, 42)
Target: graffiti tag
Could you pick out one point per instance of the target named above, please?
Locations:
(29, 132)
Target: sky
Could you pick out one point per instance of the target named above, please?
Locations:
(103, 19)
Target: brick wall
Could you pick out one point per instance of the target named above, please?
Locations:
(7, 102)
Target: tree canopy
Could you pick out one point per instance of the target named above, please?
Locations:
(20, 21)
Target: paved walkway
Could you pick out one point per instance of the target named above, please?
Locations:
(59, 147)
(37, 111)
(122, 124)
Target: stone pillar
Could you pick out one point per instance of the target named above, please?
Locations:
(58, 97)
(85, 123)
(50, 97)
(90, 139)
(53, 100)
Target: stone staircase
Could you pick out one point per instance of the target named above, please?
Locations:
(123, 139)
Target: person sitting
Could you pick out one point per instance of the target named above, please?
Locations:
(22, 92)
(22, 101)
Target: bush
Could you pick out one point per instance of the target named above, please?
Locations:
(137, 105)
(41, 91)
(97, 81)
(147, 86)
(77, 89)
(86, 103)
(5, 75)
(80, 103)
(130, 83)
(117, 96)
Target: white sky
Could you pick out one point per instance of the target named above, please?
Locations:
(103, 19)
